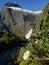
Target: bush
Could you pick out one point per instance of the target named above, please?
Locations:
(21, 52)
(30, 61)
(8, 40)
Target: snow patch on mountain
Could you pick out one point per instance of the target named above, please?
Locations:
(24, 10)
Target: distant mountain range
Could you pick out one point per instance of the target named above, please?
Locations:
(16, 20)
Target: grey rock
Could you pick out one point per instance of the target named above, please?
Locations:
(18, 21)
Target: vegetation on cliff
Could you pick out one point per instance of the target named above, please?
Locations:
(38, 44)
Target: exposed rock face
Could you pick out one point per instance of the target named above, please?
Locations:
(18, 20)
(12, 4)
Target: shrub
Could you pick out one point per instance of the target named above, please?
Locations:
(21, 52)
(30, 61)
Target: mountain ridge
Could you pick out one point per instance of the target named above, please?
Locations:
(19, 20)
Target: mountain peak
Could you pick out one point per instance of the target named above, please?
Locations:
(46, 8)
(47, 5)
(17, 20)
(9, 4)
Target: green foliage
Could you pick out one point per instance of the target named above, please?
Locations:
(21, 52)
(39, 49)
(4, 39)
(45, 28)
(10, 40)
(30, 61)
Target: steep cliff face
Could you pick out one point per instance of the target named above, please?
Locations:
(42, 19)
(18, 20)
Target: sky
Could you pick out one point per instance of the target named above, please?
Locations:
(34, 5)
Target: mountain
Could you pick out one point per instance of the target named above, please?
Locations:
(16, 20)
(12, 4)
(41, 21)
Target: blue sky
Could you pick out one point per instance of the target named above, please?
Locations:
(27, 4)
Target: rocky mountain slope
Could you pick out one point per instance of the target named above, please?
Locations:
(42, 19)
(14, 19)
(12, 47)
